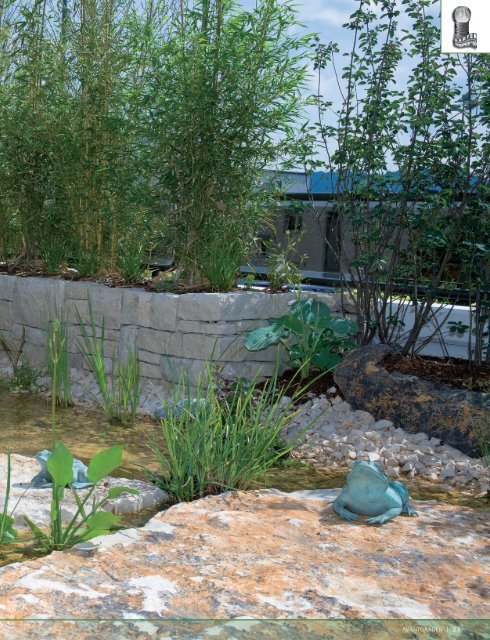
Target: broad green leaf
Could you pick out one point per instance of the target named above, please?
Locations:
(263, 337)
(342, 326)
(104, 462)
(310, 310)
(325, 359)
(93, 533)
(115, 492)
(293, 323)
(102, 520)
(60, 465)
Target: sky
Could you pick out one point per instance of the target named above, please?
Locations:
(325, 18)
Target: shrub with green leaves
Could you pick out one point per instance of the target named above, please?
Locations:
(89, 520)
(310, 334)
(223, 93)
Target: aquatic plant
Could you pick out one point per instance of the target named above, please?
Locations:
(57, 354)
(7, 531)
(120, 389)
(89, 520)
(214, 443)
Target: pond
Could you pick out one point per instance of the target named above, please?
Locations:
(25, 427)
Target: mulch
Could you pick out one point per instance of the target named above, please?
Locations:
(453, 372)
(115, 280)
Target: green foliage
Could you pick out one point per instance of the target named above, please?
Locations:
(280, 270)
(220, 261)
(57, 354)
(124, 115)
(13, 350)
(310, 334)
(7, 531)
(408, 165)
(120, 389)
(224, 93)
(88, 521)
(73, 181)
(221, 443)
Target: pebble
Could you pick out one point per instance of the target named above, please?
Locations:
(341, 435)
(349, 435)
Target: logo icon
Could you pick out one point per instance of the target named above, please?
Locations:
(462, 36)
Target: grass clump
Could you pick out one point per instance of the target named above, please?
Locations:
(7, 531)
(215, 443)
(57, 355)
(120, 388)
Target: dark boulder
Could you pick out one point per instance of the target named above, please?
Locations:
(453, 415)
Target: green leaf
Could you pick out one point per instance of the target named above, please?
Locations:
(325, 359)
(92, 533)
(310, 310)
(263, 337)
(43, 539)
(60, 465)
(115, 492)
(293, 323)
(102, 520)
(104, 462)
(342, 326)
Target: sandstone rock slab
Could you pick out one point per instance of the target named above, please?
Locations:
(263, 554)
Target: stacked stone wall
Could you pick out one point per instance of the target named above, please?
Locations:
(175, 334)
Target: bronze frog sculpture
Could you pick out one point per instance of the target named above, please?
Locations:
(44, 480)
(368, 492)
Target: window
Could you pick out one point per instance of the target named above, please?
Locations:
(293, 221)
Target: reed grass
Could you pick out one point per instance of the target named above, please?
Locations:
(120, 389)
(215, 444)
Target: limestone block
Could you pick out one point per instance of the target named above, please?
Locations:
(136, 307)
(149, 357)
(153, 341)
(210, 328)
(107, 304)
(33, 337)
(7, 284)
(5, 315)
(71, 308)
(194, 345)
(128, 338)
(177, 369)
(163, 311)
(148, 370)
(199, 306)
(32, 299)
(259, 370)
(78, 290)
(246, 305)
(75, 361)
(34, 355)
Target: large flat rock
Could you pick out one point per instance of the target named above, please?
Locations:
(261, 554)
(35, 503)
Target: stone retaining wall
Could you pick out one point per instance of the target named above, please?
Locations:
(174, 333)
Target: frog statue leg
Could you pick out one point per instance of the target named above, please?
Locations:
(339, 506)
(402, 491)
(384, 517)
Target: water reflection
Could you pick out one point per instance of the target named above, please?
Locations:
(25, 427)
